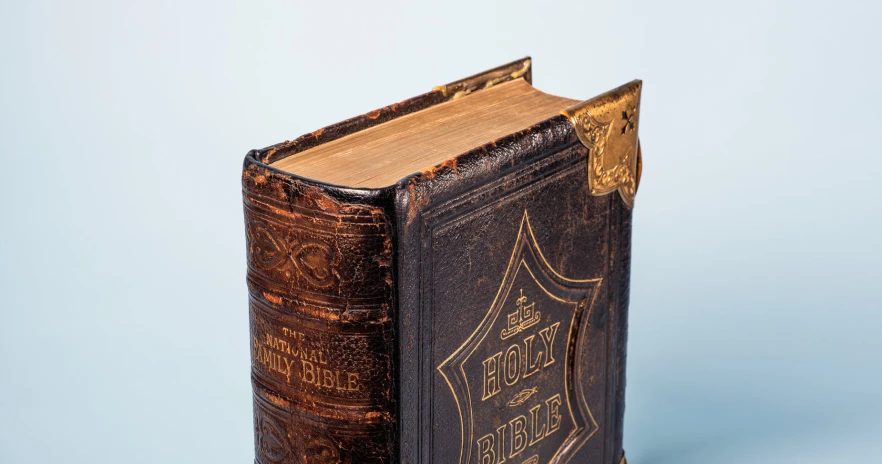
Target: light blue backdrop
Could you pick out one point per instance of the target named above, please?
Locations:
(756, 304)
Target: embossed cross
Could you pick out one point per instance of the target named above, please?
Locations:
(629, 123)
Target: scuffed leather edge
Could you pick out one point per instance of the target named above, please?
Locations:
(283, 193)
(419, 191)
(353, 297)
(620, 268)
(507, 72)
(410, 193)
(516, 69)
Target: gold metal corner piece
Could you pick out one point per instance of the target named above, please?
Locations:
(506, 72)
(607, 125)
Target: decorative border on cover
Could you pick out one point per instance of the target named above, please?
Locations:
(607, 125)
(527, 255)
(565, 162)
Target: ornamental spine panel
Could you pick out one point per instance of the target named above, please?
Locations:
(320, 299)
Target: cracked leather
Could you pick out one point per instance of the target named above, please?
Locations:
(361, 299)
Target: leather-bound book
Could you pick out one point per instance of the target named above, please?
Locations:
(445, 280)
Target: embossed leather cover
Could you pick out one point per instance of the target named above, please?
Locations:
(472, 313)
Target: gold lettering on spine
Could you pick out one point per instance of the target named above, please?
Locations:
(352, 381)
(281, 355)
(308, 372)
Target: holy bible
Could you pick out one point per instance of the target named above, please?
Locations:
(445, 280)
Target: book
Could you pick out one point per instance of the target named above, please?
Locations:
(445, 280)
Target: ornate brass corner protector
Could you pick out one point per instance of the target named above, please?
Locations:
(607, 125)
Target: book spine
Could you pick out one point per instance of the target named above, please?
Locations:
(320, 279)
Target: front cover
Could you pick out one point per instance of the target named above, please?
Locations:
(511, 316)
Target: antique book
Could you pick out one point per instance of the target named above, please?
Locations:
(445, 280)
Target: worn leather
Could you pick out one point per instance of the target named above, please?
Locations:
(321, 295)
(362, 301)
(457, 225)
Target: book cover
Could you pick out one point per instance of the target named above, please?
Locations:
(474, 312)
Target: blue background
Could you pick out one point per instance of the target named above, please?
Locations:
(755, 318)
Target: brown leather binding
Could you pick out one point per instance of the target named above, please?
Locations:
(360, 299)
(320, 281)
